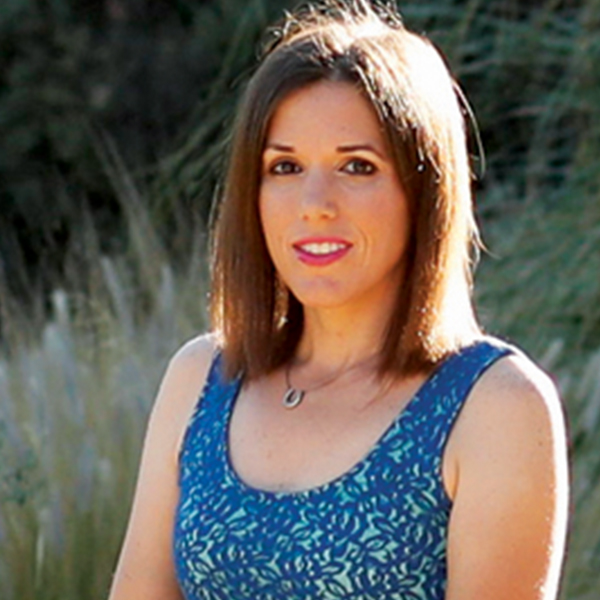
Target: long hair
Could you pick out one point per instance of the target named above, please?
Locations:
(407, 83)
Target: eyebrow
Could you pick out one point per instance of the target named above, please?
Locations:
(279, 147)
(341, 149)
(359, 147)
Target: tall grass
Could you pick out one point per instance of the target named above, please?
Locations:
(72, 417)
(74, 396)
(582, 392)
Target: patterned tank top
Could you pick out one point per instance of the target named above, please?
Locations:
(376, 532)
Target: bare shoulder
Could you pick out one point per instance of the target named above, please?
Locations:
(515, 390)
(146, 567)
(195, 354)
(509, 486)
(514, 417)
(181, 387)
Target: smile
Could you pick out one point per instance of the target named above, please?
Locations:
(321, 253)
(322, 248)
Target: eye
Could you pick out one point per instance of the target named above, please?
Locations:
(284, 167)
(359, 166)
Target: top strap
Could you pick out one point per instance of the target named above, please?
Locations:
(449, 388)
(210, 404)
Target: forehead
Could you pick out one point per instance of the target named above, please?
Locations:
(324, 110)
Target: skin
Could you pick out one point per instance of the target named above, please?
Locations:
(505, 465)
(328, 175)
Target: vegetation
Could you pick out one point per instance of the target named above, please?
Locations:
(113, 120)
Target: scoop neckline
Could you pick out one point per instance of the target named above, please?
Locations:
(232, 475)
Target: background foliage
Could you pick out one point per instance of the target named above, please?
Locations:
(113, 117)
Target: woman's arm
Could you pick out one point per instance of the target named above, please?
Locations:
(145, 568)
(508, 525)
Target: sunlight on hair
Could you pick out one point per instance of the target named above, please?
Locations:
(370, 29)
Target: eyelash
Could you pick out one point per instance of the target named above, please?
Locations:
(364, 164)
(366, 167)
(275, 169)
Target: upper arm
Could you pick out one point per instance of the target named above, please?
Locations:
(145, 568)
(509, 517)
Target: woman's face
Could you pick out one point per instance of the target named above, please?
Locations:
(333, 212)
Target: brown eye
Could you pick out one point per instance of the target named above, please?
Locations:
(360, 166)
(284, 167)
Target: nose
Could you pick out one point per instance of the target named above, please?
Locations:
(318, 197)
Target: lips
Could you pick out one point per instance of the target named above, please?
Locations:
(321, 251)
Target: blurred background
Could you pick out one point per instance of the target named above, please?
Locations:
(113, 119)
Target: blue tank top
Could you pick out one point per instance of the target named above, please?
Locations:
(376, 532)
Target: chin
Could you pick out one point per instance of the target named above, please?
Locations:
(321, 298)
(323, 301)
(329, 299)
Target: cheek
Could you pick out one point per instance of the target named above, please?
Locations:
(272, 222)
(265, 214)
(388, 219)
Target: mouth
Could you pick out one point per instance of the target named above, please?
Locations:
(321, 252)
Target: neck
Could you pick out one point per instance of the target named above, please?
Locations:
(337, 338)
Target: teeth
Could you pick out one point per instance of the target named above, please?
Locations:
(323, 247)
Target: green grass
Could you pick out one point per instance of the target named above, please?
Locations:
(72, 418)
(75, 392)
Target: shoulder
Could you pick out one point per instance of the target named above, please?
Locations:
(509, 485)
(514, 419)
(181, 388)
(187, 370)
(193, 359)
(515, 390)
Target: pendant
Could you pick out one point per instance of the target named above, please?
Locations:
(293, 397)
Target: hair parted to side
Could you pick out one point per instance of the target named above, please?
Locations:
(405, 80)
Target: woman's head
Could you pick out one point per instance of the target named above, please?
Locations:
(405, 81)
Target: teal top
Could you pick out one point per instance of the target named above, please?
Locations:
(377, 532)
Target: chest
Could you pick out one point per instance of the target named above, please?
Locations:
(276, 448)
(285, 529)
(256, 519)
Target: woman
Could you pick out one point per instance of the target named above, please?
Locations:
(356, 436)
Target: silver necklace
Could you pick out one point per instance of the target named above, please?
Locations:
(293, 396)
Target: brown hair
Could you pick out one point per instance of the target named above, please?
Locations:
(406, 81)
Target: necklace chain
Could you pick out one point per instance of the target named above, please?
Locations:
(293, 396)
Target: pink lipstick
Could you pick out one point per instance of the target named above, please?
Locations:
(319, 252)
